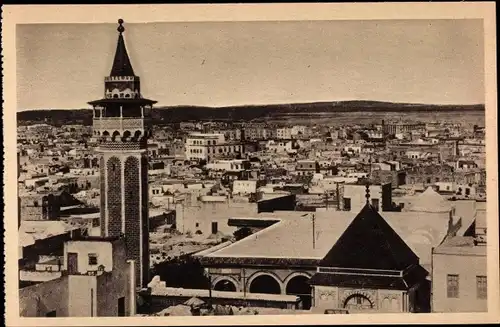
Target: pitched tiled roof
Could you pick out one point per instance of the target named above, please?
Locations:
(369, 242)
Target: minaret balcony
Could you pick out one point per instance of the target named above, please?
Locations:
(123, 126)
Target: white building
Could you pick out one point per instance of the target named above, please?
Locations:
(244, 187)
(228, 165)
(284, 133)
(197, 145)
(279, 146)
(459, 282)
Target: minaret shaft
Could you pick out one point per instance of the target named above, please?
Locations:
(121, 126)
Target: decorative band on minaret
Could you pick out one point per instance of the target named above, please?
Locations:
(367, 195)
(122, 127)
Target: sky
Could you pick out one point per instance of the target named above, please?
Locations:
(62, 66)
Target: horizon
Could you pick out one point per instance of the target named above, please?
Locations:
(226, 64)
(242, 106)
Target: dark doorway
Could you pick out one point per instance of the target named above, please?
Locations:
(347, 204)
(299, 285)
(215, 228)
(121, 307)
(72, 263)
(225, 286)
(265, 284)
(51, 314)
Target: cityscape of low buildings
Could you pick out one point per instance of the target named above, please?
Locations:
(128, 217)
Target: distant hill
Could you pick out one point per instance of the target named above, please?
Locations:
(241, 113)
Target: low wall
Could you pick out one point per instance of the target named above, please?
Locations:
(160, 299)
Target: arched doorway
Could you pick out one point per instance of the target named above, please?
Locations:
(225, 285)
(299, 285)
(265, 284)
(358, 302)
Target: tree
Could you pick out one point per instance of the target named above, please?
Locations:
(242, 233)
(185, 272)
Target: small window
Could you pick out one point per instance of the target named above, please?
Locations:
(92, 259)
(214, 227)
(197, 224)
(452, 286)
(347, 204)
(482, 287)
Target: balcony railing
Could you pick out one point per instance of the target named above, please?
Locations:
(119, 124)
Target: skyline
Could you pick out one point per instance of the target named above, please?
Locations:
(254, 63)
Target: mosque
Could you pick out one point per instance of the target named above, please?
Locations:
(338, 260)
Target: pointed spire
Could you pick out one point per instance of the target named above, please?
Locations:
(121, 63)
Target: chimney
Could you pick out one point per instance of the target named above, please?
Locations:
(132, 295)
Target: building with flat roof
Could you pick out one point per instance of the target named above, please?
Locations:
(459, 281)
(95, 280)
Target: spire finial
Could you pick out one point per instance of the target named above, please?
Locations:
(367, 195)
(120, 28)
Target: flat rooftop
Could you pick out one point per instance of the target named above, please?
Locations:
(461, 245)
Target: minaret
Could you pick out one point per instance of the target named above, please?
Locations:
(122, 127)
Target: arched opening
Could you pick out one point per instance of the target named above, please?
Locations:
(137, 135)
(358, 302)
(115, 96)
(265, 284)
(299, 285)
(225, 285)
(105, 133)
(126, 135)
(115, 135)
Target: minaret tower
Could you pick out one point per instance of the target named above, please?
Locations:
(122, 127)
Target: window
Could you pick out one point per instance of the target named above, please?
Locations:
(92, 259)
(482, 287)
(375, 204)
(452, 286)
(347, 204)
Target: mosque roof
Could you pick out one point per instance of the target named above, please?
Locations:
(369, 242)
(430, 201)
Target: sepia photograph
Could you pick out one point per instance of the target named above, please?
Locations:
(252, 167)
